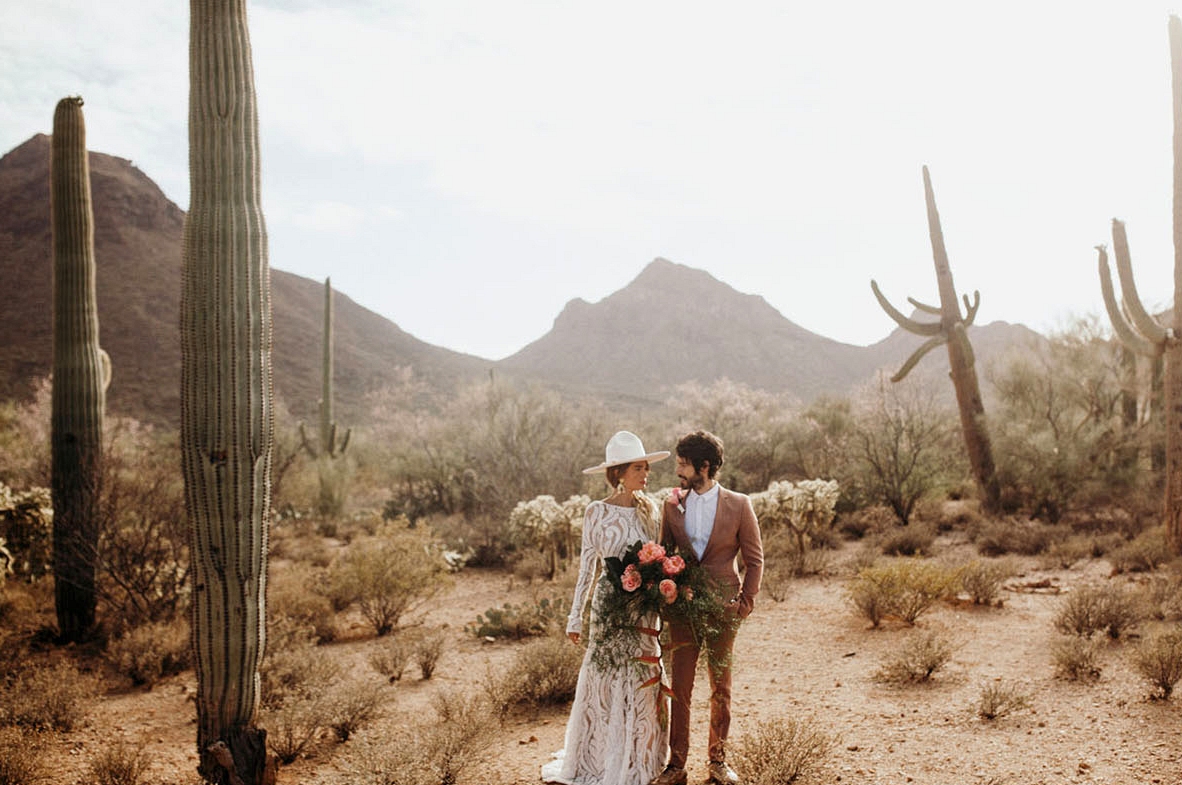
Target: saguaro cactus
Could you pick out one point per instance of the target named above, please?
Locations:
(952, 330)
(328, 446)
(81, 371)
(1142, 333)
(227, 416)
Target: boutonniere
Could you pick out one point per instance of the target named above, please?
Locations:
(678, 499)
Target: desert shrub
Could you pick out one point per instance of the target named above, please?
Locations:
(294, 593)
(982, 581)
(22, 761)
(1062, 554)
(1000, 699)
(918, 659)
(1159, 661)
(391, 657)
(781, 751)
(428, 648)
(1091, 609)
(352, 707)
(1076, 659)
(1144, 553)
(866, 521)
(1161, 597)
(304, 547)
(544, 673)
(526, 620)
(913, 540)
(389, 576)
(1011, 535)
(119, 763)
(800, 514)
(530, 566)
(293, 666)
(294, 725)
(151, 651)
(46, 697)
(904, 589)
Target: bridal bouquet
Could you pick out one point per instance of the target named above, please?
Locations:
(648, 582)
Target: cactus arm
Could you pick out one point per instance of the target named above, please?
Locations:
(971, 307)
(306, 443)
(1145, 324)
(908, 324)
(1124, 331)
(345, 441)
(932, 309)
(917, 355)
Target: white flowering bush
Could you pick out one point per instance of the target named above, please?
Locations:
(802, 509)
(553, 528)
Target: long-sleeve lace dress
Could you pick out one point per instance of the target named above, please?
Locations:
(616, 734)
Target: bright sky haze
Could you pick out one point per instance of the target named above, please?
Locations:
(466, 168)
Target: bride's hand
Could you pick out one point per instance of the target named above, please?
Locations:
(574, 637)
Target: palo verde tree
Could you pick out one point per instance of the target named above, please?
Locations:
(951, 329)
(1140, 331)
(81, 371)
(227, 416)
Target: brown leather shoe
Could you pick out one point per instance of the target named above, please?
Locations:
(670, 776)
(721, 773)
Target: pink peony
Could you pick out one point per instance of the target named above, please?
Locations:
(650, 553)
(668, 590)
(673, 565)
(630, 580)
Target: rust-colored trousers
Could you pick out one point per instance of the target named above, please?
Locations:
(685, 666)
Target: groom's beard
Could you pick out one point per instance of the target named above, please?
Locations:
(694, 483)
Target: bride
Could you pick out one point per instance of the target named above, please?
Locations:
(616, 734)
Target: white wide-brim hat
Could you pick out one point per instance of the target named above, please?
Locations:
(625, 447)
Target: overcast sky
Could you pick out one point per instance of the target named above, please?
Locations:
(466, 168)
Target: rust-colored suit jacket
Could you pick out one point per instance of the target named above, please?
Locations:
(736, 531)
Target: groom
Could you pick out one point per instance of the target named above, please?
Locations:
(716, 526)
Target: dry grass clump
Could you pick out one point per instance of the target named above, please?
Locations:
(903, 589)
(391, 657)
(152, 651)
(294, 592)
(428, 648)
(119, 764)
(914, 540)
(352, 707)
(982, 580)
(46, 697)
(1090, 609)
(21, 759)
(917, 661)
(544, 673)
(1159, 661)
(1076, 659)
(781, 751)
(294, 725)
(1000, 699)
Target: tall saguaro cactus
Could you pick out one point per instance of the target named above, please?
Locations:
(227, 415)
(952, 330)
(1142, 333)
(81, 371)
(328, 446)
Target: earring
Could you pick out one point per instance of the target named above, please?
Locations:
(620, 489)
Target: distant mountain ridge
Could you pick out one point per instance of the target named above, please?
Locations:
(671, 325)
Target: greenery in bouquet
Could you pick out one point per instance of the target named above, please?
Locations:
(646, 583)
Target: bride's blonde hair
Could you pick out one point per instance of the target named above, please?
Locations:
(646, 508)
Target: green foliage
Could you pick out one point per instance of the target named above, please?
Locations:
(1159, 661)
(917, 661)
(1060, 432)
(1090, 609)
(539, 617)
(389, 576)
(782, 751)
(147, 653)
(903, 589)
(1076, 658)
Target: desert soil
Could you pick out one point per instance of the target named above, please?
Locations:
(808, 657)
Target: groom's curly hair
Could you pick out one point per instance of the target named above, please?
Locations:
(701, 448)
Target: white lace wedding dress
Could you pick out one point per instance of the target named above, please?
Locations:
(616, 734)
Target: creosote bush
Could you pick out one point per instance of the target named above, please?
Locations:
(119, 764)
(781, 751)
(917, 661)
(1091, 609)
(1159, 661)
(1076, 659)
(902, 589)
(999, 699)
(152, 651)
(982, 580)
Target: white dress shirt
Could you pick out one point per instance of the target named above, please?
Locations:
(699, 517)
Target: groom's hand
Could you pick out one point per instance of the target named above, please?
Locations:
(574, 637)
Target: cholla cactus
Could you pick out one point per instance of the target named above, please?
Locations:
(550, 527)
(5, 562)
(26, 520)
(805, 508)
